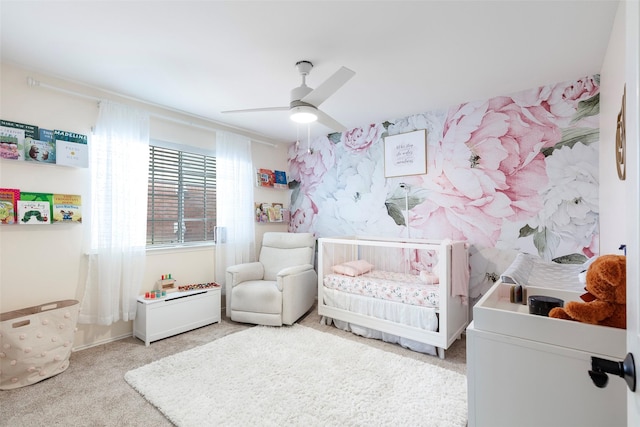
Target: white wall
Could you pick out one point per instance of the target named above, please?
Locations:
(40, 264)
(613, 191)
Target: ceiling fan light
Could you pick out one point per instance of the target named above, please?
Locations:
(303, 114)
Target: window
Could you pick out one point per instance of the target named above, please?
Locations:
(181, 205)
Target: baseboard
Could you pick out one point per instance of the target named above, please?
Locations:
(105, 341)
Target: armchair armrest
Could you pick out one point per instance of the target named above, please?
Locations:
(299, 286)
(296, 269)
(243, 272)
(239, 273)
(291, 276)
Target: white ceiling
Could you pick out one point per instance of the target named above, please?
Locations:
(204, 57)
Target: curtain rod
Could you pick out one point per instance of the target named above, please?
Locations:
(37, 83)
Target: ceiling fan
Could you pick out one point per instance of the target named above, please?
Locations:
(305, 101)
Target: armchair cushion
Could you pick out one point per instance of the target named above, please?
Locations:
(275, 259)
(257, 296)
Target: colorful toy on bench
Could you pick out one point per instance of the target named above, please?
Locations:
(166, 283)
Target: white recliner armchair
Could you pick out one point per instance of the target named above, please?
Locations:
(277, 289)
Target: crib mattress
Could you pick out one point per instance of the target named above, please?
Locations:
(398, 287)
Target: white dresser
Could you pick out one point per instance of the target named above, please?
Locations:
(176, 313)
(528, 370)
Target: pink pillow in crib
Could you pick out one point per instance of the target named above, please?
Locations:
(353, 268)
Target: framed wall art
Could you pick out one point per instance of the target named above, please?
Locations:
(405, 154)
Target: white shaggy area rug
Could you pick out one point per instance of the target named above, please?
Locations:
(297, 376)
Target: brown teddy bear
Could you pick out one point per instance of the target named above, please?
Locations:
(606, 298)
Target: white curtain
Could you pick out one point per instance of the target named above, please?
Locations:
(235, 179)
(119, 163)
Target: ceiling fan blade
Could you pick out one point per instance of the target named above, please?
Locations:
(253, 110)
(328, 87)
(330, 122)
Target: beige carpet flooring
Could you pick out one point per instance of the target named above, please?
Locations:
(93, 392)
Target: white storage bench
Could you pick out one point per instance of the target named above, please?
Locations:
(176, 313)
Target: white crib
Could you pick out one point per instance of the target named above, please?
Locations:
(412, 292)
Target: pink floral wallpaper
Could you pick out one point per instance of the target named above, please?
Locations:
(517, 173)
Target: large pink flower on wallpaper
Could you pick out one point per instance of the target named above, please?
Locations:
(303, 216)
(506, 148)
(559, 103)
(308, 162)
(360, 139)
(448, 214)
(489, 168)
(523, 168)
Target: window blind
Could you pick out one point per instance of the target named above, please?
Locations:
(181, 198)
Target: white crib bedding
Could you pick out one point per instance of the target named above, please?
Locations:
(390, 286)
(412, 315)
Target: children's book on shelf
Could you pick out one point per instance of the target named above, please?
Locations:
(46, 135)
(11, 143)
(12, 138)
(30, 131)
(9, 205)
(72, 149)
(280, 179)
(33, 212)
(266, 178)
(67, 208)
(38, 150)
(35, 208)
(262, 212)
(275, 212)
